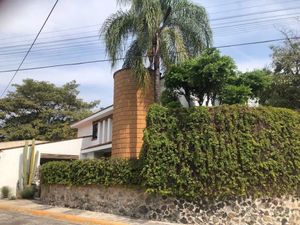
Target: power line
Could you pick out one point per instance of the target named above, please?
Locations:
(230, 24)
(253, 14)
(44, 46)
(227, 3)
(55, 47)
(55, 41)
(255, 42)
(56, 31)
(250, 7)
(61, 65)
(109, 60)
(259, 20)
(38, 34)
(98, 25)
(242, 15)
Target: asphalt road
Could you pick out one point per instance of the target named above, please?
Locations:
(15, 218)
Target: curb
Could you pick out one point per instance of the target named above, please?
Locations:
(58, 216)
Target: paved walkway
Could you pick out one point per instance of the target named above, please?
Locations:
(16, 218)
(33, 212)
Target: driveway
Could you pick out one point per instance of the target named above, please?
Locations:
(25, 212)
(15, 218)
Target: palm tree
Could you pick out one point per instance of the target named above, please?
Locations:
(156, 34)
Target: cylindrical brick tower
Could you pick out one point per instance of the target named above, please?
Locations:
(131, 105)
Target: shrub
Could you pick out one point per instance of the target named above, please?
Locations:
(214, 153)
(221, 152)
(5, 192)
(86, 172)
(55, 173)
(12, 198)
(28, 192)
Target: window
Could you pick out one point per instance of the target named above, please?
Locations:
(95, 131)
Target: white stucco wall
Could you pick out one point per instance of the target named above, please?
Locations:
(85, 130)
(9, 168)
(72, 147)
(10, 159)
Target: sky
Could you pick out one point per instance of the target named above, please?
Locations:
(72, 35)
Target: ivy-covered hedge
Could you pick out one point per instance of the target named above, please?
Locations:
(202, 152)
(85, 172)
(221, 152)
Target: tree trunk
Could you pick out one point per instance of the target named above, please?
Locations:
(207, 100)
(156, 68)
(157, 84)
(213, 101)
(188, 98)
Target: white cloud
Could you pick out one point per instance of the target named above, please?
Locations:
(253, 64)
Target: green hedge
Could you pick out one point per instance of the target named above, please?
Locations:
(86, 172)
(202, 152)
(221, 152)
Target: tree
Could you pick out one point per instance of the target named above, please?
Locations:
(284, 90)
(257, 80)
(169, 99)
(235, 94)
(202, 77)
(160, 31)
(286, 57)
(42, 111)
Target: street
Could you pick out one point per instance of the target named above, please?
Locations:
(15, 218)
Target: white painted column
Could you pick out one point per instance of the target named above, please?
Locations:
(99, 131)
(109, 133)
(103, 139)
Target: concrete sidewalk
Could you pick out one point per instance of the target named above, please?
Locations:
(75, 216)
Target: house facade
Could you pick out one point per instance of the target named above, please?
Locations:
(117, 131)
(96, 132)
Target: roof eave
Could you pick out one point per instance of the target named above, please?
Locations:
(96, 116)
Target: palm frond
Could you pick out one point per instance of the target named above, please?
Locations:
(193, 21)
(167, 31)
(173, 46)
(151, 11)
(116, 30)
(135, 59)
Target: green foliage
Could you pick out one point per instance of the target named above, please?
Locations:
(221, 152)
(169, 99)
(166, 32)
(233, 94)
(200, 152)
(213, 77)
(28, 192)
(284, 91)
(286, 57)
(5, 192)
(42, 111)
(55, 173)
(257, 80)
(86, 172)
(203, 76)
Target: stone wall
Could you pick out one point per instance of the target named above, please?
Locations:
(136, 203)
(131, 105)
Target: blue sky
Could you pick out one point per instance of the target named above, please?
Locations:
(233, 22)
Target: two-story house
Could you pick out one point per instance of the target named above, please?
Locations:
(96, 131)
(117, 131)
